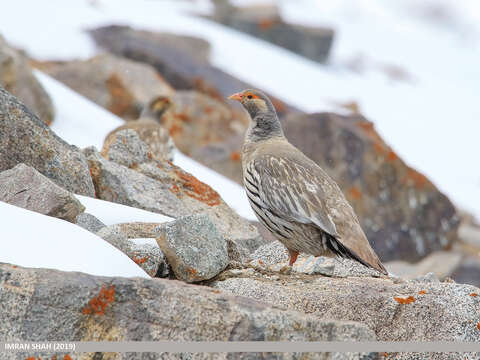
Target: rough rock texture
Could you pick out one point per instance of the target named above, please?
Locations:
(25, 187)
(274, 256)
(396, 310)
(194, 248)
(125, 149)
(402, 213)
(311, 42)
(149, 258)
(180, 69)
(17, 78)
(33, 305)
(156, 136)
(165, 188)
(197, 120)
(24, 138)
(119, 85)
(89, 222)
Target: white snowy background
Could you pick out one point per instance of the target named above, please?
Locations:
(431, 118)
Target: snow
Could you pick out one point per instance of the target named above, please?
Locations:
(34, 240)
(111, 213)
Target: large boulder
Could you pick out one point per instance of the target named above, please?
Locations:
(117, 84)
(182, 70)
(48, 305)
(17, 77)
(193, 247)
(397, 310)
(403, 214)
(25, 187)
(24, 138)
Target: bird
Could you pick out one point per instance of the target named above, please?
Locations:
(149, 129)
(292, 196)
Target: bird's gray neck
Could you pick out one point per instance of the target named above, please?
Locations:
(264, 126)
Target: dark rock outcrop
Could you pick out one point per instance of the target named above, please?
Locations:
(24, 138)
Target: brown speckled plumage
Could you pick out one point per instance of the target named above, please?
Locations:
(292, 196)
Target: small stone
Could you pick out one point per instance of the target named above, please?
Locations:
(89, 222)
(127, 149)
(193, 247)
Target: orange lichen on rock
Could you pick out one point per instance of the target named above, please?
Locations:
(197, 189)
(355, 193)
(175, 189)
(422, 292)
(392, 156)
(379, 148)
(175, 129)
(182, 117)
(139, 261)
(121, 100)
(99, 303)
(407, 300)
(235, 156)
(474, 294)
(416, 179)
(478, 325)
(192, 271)
(266, 23)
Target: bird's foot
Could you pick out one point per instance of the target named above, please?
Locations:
(293, 257)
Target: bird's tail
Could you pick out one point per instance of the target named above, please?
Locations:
(343, 251)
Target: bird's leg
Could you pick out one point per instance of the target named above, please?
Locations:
(293, 257)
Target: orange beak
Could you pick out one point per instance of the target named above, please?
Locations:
(237, 96)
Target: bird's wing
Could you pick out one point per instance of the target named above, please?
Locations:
(294, 189)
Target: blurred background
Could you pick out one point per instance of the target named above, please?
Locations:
(384, 95)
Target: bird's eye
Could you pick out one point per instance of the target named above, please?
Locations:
(249, 96)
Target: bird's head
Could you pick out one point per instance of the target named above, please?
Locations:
(264, 120)
(156, 107)
(254, 101)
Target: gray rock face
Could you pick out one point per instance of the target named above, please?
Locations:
(26, 139)
(396, 310)
(17, 78)
(127, 149)
(25, 187)
(117, 183)
(120, 309)
(194, 247)
(89, 222)
(164, 188)
(117, 84)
